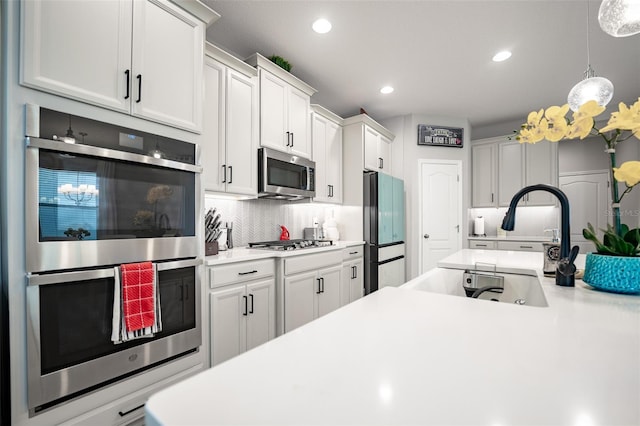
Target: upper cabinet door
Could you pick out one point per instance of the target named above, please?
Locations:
(319, 130)
(167, 62)
(213, 146)
(78, 49)
(371, 142)
(484, 175)
(334, 161)
(510, 171)
(299, 122)
(241, 134)
(541, 167)
(273, 111)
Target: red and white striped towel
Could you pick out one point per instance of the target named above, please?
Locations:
(136, 304)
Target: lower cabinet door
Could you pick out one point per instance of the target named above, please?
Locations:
(329, 296)
(300, 305)
(356, 283)
(261, 318)
(228, 324)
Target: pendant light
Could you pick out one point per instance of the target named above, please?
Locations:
(620, 18)
(591, 87)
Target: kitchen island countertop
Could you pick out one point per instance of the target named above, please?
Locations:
(400, 356)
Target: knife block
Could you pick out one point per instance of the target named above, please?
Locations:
(211, 248)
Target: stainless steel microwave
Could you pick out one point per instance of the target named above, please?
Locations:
(283, 176)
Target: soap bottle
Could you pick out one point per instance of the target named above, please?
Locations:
(551, 253)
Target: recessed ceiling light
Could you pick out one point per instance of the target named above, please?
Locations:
(321, 26)
(386, 90)
(501, 56)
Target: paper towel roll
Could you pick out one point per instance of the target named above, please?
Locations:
(478, 226)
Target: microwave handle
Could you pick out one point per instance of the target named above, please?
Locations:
(62, 277)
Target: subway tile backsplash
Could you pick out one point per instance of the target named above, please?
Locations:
(260, 219)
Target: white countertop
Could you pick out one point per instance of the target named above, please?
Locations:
(241, 254)
(400, 356)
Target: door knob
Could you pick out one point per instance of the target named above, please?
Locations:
(425, 236)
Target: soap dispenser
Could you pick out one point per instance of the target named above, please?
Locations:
(551, 251)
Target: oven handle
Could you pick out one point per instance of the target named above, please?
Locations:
(62, 277)
(113, 154)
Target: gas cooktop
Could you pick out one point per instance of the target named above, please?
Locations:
(290, 244)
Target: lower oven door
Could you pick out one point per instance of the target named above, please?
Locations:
(69, 327)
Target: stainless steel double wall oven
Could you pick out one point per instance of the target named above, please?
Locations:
(97, 196)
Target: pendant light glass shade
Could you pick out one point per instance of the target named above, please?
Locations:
(620, 18)
(594, 88)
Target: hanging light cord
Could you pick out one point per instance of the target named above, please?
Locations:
(590, 71)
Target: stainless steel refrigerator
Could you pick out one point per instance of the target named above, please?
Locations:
(384, 232)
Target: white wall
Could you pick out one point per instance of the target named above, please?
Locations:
(406, 130)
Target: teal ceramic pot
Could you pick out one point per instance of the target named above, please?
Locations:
(617, 274)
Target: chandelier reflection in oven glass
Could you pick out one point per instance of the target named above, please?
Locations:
(81, 193)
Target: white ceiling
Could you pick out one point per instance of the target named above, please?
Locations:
(436, 54)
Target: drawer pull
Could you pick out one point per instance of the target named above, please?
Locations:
(247, 273)
(526, 246)
(481, 245)
(353, 252)
(124, 413)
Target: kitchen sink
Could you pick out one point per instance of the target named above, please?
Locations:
(516, 288)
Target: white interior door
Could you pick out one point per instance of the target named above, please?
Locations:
(589, 201)
(440, 210)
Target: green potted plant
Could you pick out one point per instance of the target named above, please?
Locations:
(616, 264)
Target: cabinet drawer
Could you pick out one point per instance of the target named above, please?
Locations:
(519, 246)
(296, 264)
(475, 244)
(239, 272)
(352, 252)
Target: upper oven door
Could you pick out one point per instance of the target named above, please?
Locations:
(89, 206)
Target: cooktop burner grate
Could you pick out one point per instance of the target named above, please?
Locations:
(290, 244)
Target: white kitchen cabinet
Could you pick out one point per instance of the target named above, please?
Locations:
(327, 153)
(242, 308)
(484, 175)
(519, 245)
(229, 149)
(352, 285)
(484, 245)
(143, 58)
(372, 139)
(285, 109)
(311, 287)
(377, 151)
(500, 168)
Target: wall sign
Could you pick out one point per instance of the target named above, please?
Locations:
(439, 135)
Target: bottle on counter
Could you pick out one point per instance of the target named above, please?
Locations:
(551, 252)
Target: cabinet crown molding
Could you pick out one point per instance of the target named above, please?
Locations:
(320, 110)
(257, 60)
(199, 10)
(229, 60)
(365, 119)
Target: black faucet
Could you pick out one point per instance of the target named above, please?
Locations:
(565, 271)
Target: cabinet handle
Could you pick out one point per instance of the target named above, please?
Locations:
(381, 162)
(139, 77)
(245, 305)
(481, 245)
(322, 280)
(353, 252)
(319, 286)
(230, 174)
(251, 310)
(355, 272)
(288, 138)
(492, 197)
(124, 413)
(127, 74)
(247, 273)
(224, 173)
(526, 246)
